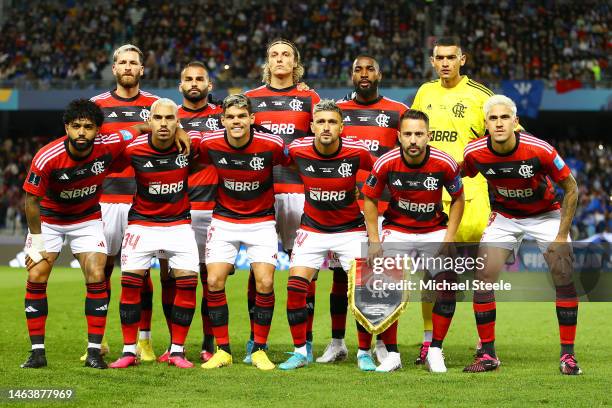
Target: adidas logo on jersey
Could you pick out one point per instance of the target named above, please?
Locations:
(112, 115)
(102, 308)
(310, 168)
(262, 105)
(490, 171)
(222, 161)
(397, 183)
(148, 164)
(64, 177)
(31, 309)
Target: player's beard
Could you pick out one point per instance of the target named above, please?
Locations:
(128, 81)
(367, 93)
(81, 147)
(414, 155)
(195, 98)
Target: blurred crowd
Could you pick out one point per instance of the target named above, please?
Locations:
(15, 158)
(591, 164)
(502, 38)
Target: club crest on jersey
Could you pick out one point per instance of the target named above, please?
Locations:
(431, 183)
(296, 104)
(212, 124)
(97, 168)
(382, 120)
(345, 170)
(144, 114)
(181, 161)
(526, 170)
(257, 163)
(459, 110)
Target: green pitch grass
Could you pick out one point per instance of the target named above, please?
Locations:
(527, 345)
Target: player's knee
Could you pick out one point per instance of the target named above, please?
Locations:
(96, 275)
(215, 282)
(265, 285)
(39, 274)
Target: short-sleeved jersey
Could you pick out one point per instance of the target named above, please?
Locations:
(120, 113)
(377, 125)
(329, 184)
(520, 179)
(285, 112)
(245, 193)
(70, 186)
(161, 184)
(455, 118)
(416, 190)
(203, 183)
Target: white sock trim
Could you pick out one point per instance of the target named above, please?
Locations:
(129, 348)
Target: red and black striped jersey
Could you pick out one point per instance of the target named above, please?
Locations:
(416, 190)
(244, 192)
(329, 184)
(120, 113)
(285, 112)
(377, 125)
(161, 184)
(70, 186)
(520, 179)
(203, 183)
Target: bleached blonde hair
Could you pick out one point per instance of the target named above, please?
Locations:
(499, 100)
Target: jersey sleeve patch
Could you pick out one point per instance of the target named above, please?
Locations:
(455, 185)
(372, 180)
(34, 179)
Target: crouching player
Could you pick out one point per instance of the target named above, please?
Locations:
(517, 167)
(244, 214)
(415, 174)
(63, 190)
(159, 220)
(327, 165)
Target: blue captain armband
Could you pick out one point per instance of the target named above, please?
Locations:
(127, 135)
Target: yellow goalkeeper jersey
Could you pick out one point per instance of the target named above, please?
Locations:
(455, 118)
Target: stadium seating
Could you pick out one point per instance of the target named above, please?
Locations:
(60, 39)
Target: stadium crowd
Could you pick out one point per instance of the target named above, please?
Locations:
(515, 39)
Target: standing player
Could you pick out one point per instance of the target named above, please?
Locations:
(328, 167)
(244, 214)
(124, 106)
(416, 175)
(374, 119)
(453, 104)
(159, 220)
(518, 168)
(197, 114)
(284, 109)
(63, 202)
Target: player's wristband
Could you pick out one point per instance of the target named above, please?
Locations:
(34, 246)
